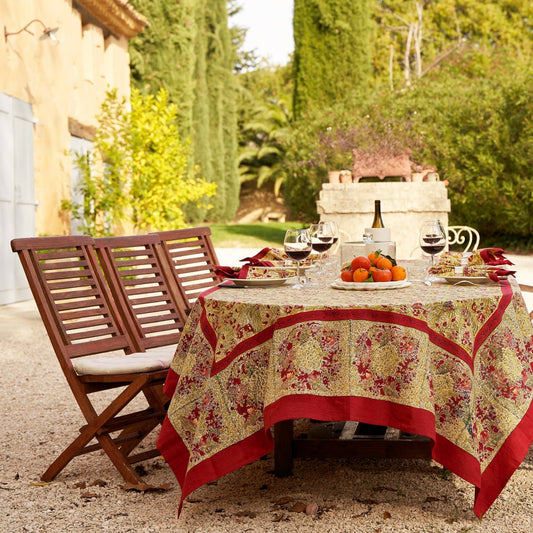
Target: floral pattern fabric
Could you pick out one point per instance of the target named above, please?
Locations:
(461, 356)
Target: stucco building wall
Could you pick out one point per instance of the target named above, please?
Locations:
(65, 82)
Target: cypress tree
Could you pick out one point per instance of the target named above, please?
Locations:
(201, 119)
(332, 59)
(187, 49)
(162, 55)
(222, 111)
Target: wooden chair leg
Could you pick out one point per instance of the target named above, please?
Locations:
(158, 402)
(119, 460)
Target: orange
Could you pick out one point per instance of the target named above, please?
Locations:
(374, 256)
(398, 273)
(383, 263)
(347, 275)
(361, 274)
(360, 262)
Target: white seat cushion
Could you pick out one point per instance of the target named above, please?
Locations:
(156, 359)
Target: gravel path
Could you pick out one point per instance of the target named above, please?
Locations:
(39, 417)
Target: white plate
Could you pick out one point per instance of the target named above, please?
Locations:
(369, 285)
(467, 280)
(259, 282)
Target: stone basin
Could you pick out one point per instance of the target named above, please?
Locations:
(404, 206)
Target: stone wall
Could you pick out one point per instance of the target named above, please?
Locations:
(404, 206)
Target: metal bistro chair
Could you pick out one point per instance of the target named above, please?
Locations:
(463, 237)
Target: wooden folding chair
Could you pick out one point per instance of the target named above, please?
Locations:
(151, 305)
(191, 253)
(82, 320)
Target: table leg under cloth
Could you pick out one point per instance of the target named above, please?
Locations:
(349, 443)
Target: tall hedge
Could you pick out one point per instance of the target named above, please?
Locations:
(222, 110)
(162, 55)
(332, 59)
(187, 50)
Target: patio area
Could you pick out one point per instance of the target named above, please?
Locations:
(356, 495)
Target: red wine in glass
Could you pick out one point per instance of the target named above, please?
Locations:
(297, 255)
(323, 244)
(432, 238)
(431, 245)
(297, 245)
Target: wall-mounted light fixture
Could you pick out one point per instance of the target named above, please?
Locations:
(48, 33)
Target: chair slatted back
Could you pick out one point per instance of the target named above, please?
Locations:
(152, 306)
(71, 295)
(82, 318)
(191, 253)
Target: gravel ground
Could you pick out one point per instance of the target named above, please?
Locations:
(39, 417)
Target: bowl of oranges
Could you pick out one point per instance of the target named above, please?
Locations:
(375, 271)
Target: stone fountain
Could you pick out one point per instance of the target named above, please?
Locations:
(405, 204)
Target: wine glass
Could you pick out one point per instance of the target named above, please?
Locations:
(297, 244)
(336, 233)
(321, 240)
(432, 238)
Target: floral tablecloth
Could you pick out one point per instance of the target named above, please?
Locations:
(453, 363)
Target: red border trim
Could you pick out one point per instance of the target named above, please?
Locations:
(171, 382)
(408, 419)
(175, 453)
(488, 485)
(379, 412)
(504, 464)
(496, 317)
(371, 315)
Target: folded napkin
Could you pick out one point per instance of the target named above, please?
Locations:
(266, 256)
(275, 257)
(483, 262)
(493, 256)
(260, 265)
(231, 272)
(495, 274)
(252, 272)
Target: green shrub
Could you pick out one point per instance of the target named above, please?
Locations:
(478, 132)
(324, 140)
(144, 178)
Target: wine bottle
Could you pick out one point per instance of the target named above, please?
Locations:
(378, 221)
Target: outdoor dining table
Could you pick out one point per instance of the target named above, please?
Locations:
(453, 363)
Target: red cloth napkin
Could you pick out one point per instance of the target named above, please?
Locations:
(258, 258)
(495, 274)
(494, 256)
(273, 257)
(230, 272)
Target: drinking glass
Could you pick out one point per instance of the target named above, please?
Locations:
(297, 244)
(336, 233)
(432, 238)
(322, 239)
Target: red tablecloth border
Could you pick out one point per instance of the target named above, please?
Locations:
(409, 419)
(372, 315)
